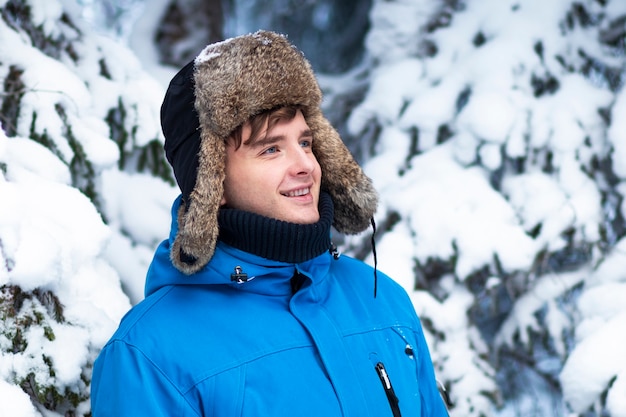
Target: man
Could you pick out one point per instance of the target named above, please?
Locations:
(249, 309)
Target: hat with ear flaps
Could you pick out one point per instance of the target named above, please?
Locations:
(226, 84)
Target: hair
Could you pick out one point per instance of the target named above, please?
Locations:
(259, 121)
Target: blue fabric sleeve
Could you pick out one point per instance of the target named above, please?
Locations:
(432, 402)
(126, 384)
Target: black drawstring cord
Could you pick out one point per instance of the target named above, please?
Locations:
(375, 258)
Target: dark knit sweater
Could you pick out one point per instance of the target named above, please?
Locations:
(275, 239)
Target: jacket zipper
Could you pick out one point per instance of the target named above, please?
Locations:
(391, 395)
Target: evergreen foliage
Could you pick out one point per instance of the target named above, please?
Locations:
(522, 322)
(67, 127)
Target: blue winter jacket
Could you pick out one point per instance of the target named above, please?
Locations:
(203, 345)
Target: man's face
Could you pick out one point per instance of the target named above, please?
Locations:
(277, 175)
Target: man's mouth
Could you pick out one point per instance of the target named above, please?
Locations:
(297, 193)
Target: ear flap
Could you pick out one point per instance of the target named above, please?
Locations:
(198, 229)
(352, 192)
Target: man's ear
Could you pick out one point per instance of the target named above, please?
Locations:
(223, 201)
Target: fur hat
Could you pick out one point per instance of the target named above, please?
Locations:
(226, 84)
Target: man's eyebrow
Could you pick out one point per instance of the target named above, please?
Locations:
(268, 140)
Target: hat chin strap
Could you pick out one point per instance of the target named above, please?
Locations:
(375, 256)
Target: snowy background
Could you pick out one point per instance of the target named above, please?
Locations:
(495, 131)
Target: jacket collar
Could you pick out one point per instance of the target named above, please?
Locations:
(262, 275)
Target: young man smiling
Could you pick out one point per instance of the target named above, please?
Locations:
(275, 173)
(249, 309)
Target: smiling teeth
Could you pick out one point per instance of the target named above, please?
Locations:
(298, 193)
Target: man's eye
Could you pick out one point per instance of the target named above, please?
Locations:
(270, 150)
(306, 143)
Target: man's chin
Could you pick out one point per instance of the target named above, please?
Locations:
(304, 219)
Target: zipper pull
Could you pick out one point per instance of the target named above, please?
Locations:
(391, 395)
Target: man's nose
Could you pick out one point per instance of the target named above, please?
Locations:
(302, 161)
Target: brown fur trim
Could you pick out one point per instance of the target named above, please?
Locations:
(197, 219)
(244, 76)
(352, 192)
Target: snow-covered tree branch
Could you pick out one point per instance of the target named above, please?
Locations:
(495, 132)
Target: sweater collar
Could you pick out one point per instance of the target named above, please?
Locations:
(275, 239)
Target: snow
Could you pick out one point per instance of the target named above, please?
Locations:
(93, 258)
(15, 402)
(617, 134)
(45, 13)
(599, 356)
(498, 106)
(456, 354)
(448, 207)
(386, 96)
(54, 221)
(52, 237)
(140, 40)
(582, 384)
(391, 37)
(455, 208)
